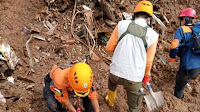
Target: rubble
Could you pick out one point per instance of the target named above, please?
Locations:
(39, 37)
(61, 26)
(10, 79)
(9, 54)
(2, 99)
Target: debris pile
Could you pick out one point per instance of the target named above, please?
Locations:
(65, 32)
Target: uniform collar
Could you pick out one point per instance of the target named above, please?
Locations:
(141, 22)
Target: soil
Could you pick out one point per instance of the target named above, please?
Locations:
(25, 95)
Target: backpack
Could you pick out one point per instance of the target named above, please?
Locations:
(196, 34)
(136, 30)
(196, 38)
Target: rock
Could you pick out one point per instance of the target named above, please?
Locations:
(10, 79)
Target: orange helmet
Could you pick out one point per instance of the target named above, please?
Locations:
(80, 78)
(144, 6)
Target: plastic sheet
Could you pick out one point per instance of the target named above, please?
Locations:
(8, 54)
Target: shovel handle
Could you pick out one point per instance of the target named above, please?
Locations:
(149, 86)
(150, 89)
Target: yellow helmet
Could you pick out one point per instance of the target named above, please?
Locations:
(80, 78)
(144, 6)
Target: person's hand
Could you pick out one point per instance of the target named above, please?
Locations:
(146, 79)
(171, 59)
(171, 62)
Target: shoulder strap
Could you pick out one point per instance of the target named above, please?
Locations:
(136, 30)
(187, 42)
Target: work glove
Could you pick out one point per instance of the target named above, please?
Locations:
(111, 97)
(171, 59)
(146, 79)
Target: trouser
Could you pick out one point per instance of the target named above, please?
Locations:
(134, 95)
(56, 106)
(182, 78)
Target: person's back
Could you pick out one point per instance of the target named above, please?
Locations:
(190, 62)
(130, 54)
(134, 46)
(188, 59)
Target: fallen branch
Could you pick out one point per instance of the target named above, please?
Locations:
(29, 53)
(72, 24)
(73, 17)
(30, 57)
(91, 35)
(89, 17)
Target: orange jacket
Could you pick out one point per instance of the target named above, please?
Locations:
(61, 83)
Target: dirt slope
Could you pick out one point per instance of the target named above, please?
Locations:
(25, 95)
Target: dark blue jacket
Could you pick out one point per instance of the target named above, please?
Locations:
(188, 59)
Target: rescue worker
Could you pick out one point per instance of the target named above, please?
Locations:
(134, 45)
(189, 66)
(62, 82)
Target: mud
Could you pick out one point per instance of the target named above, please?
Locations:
(25, 95)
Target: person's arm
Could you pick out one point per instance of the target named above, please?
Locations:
(93, 96)
(64, 99)
(110, 47)
(95, 104)
(176, 42)
(69, 106)
(150, 56)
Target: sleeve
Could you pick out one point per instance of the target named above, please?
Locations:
(54, 68)
(150, 56)
(113, 40)
(93, 94)
(176, 42)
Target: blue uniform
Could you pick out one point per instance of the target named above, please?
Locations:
(188, 60)
(189, 63)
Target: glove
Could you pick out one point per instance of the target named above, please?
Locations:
(111, 97)
(171, 59)
(146, 79)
